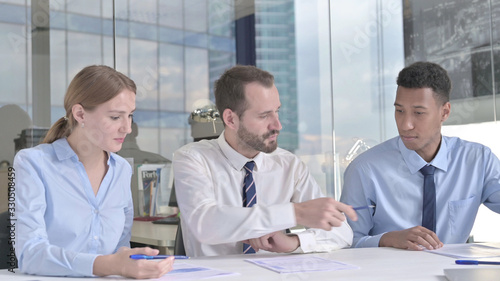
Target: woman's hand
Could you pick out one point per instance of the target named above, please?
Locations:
(120, 263)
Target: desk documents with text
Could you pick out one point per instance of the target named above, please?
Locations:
(346, 264)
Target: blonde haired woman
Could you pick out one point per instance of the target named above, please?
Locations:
(73, 200)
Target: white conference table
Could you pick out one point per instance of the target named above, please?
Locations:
(374, 264)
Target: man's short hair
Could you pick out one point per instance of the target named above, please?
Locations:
(229, 89)
(426, 75)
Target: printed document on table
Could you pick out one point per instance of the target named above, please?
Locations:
(184, 272)
(468, 250)
(296, 264)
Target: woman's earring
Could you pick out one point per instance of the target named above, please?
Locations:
(83, 125)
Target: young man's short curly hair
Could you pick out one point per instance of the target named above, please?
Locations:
(426, 75)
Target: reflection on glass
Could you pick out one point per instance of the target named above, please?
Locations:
(13, 47)
(367, 55)
(457, 35)
(122, 55)
(275, 51)
(195, 15)
(144, 71)
(82, 49)
(171, 13)
(171, 77)
(174, 50)
(221, 16)
(89, 7)
(144, 11)
(197, 73)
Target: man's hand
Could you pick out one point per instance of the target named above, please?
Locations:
(120, 263)
(275, 242)
(412, 239)
(323, 213)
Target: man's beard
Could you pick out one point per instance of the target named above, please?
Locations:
(257, 142)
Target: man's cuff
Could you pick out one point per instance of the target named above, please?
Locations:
(369, 241)
(307, 242)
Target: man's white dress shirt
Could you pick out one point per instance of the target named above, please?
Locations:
(209, 181)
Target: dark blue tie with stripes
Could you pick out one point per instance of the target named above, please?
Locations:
(249, 197)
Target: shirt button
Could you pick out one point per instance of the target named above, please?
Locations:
(95, 237)
(96, 211)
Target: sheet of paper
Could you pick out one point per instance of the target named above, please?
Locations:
(184, 272)
(467, 250)
(296, 264)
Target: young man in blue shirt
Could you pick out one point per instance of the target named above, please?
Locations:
(387, 176)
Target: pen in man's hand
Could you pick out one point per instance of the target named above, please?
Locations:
(145, 257)
(363, 207)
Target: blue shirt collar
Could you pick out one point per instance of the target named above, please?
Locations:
(237, 160)
(414, 162)
(64, 151)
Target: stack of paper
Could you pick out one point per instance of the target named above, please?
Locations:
(468, 250)
(296, 264)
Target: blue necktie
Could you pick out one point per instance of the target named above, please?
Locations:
(249, 197)
(429, 206)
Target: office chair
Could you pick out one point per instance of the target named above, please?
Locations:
(179, 242)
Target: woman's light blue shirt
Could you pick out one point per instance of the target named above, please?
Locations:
(61, 226)
(387, 176)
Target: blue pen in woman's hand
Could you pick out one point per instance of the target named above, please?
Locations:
(145, 257)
